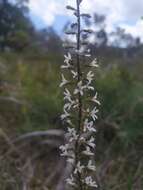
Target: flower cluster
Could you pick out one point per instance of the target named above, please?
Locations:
(81, 107)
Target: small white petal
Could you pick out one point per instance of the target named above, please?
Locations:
(91, 142)
(71, 160)
(64, 81)
(68, 58)
(89, 182)
(64, 149)
(79, 88)
(94, 113)
(94, 99)
(89, 87)
(90, 166)
(70, 181)
(79, 168)
(94, 63)
(88, 152)
(90, 76)
(75, 74)
(65, 115)
(72, 133)
(89, 126)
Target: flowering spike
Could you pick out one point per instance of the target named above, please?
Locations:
(79, 116)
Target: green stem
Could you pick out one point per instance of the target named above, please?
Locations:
(79, 66)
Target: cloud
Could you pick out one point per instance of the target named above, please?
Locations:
(124, 13)
(47, 10)
(136, 30)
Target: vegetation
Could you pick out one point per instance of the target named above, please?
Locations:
(30, 101)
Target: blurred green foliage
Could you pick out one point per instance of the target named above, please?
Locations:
(31, 100)
(35, 82)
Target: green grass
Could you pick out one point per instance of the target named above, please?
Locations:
(34, 82)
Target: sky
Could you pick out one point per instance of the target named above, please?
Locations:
(119, 13)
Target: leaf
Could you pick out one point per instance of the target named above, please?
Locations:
(86, 15)
(70, 33)
(75, 13)
(87, 31)
(74, 25)
(70, 8)
(69, 47)
(84, 43)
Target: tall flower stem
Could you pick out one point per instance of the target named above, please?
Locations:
(78, 65)
(80, 109)
(78, 80)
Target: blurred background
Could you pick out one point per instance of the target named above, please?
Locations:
(31, 53)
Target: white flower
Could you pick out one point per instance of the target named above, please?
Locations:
(72, 133)
(68, 105)
(91, 142)
(90, 76)
(67, 66)
(69, 122)
(94, 63)
(93, 113)
(67, 95)
(87, 55)
(94, 99)
(71, 160)
(88, 152)
(81, 51)
(89, 126)
(70, 181)
(88, 110)
(76, 104)
(89, 181)
(75, 74)
(90, 166)
(82, 139)
(65, 115)
(89, 87)
(67, 60)
(79, 168)
(68, 57)
(64, 81)
(79, 88)
(64, 149)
